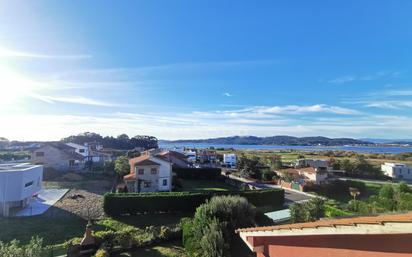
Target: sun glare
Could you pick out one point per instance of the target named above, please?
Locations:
(14, 86)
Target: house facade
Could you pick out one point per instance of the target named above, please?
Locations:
(149, 173)
(397, 170)
(58, 156)
(207, 156)
(18, 183)
(372, 236)
(178, 160)
(304, 175)
(230, 159)
(302, 163)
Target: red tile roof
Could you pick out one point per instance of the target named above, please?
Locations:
(131, 176)
(352, 221)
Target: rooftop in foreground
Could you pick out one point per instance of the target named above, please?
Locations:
(16, 166)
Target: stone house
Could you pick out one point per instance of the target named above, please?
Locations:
(58, 156)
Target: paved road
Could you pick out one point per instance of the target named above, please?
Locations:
(374, 181)
(291, 196)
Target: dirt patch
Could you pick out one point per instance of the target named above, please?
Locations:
(81, 203)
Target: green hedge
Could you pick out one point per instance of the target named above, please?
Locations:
(193, 173)
(134, 203)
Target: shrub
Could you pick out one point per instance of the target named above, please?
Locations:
(212, 242)
(212, 227)
(102, 253)
(332, 212)
(34, 248)
(133, 203)
(193, 173)
(308, 211)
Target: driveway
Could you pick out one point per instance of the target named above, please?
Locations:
(40, 204)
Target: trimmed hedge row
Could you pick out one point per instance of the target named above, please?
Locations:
(193, 173)
(133, 203)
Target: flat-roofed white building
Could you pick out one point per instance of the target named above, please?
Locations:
(397, 170)
(18, 183)
(230, 159)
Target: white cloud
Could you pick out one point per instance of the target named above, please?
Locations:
(375, 76)
(185, 126)
(396, 104)
(300, 109)
(7, 53)
(343, 79)
(227, 94)
(73, 100)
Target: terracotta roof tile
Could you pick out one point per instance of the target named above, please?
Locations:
(130, 177)
(352, 221)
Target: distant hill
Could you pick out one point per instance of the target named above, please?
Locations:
(388, 141)
(275, 140)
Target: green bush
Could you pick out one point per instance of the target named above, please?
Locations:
(193, 173)
(133, 203)
(14, 248)
(332, 212)
(212, 228)
(312, 210)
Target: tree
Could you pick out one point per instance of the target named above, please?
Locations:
(335, 164)
(309, 211)
(121, 166)
(34, 248)
(212, 228)
(387, 192)
(403, 187)
(249, 168)
(297, 213)
(274, 161)
(212, 242)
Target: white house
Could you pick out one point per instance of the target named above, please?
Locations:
(18, 183)
(149, 173)
(230, 159)
(397, 170)
(80, 149)
(191, 156)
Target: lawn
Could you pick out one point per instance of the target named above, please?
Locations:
(172, 249)
(142, 221)
(205, 185)
(54, 230)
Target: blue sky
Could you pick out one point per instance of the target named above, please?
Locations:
(199, 69)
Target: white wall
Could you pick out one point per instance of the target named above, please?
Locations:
(165, 172)
(229, 159)
(12, 183)
(77, 147)
(397, 171)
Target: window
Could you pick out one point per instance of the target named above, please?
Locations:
(81, 150)
(140, 171)
(147, 184)
(153, 171)
(28, 184)
(164, 182)
(39, 154)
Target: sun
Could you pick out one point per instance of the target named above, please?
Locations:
(15, 86)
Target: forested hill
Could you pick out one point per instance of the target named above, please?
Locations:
(275, 140)
(121, 142)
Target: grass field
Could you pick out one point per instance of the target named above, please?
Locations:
(205, 185)
(173, 249)
(55, 230)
